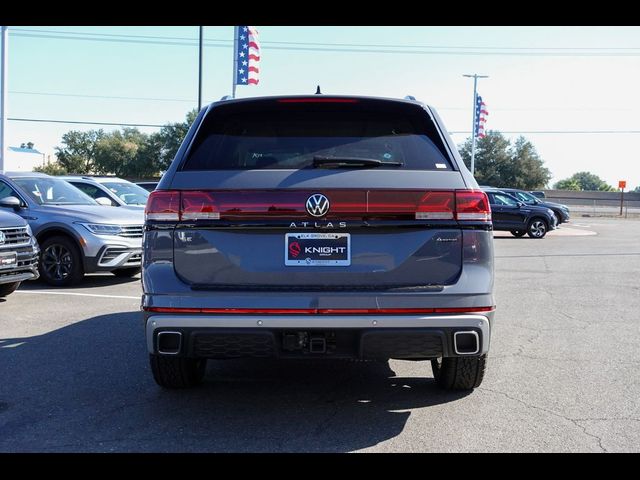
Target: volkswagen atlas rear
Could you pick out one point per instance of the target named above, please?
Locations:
(318, 227)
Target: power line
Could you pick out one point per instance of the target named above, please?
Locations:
(268, 42)
(41, 120)
(183, 100)
(67, 36)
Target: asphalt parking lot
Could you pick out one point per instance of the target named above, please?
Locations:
(562, 376)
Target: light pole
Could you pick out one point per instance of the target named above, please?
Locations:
(3, 94)
(473, 124)
(200, 71)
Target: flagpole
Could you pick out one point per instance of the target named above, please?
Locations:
(4, 60)
(475, 112)
(235, 61)
(200, 71)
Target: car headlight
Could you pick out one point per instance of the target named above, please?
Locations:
(29, 231)
(102, 229)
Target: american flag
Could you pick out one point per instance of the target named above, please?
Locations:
(481, 116)
(248, 56)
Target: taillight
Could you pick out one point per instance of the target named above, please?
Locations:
(472, 205)
(199, 206)
(163, 205)
(429, 205)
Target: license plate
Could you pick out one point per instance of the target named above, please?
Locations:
(8, 260)
(317, 249)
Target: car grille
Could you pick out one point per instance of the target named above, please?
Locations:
(131, 231)
(15, 236)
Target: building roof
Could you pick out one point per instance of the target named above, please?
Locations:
(25, 150)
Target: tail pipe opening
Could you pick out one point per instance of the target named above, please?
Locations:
(466, 342)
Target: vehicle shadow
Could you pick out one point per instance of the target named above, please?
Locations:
(96, 280)
(88, 387)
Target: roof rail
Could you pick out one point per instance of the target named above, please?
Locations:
(410, 97)
(226, 97)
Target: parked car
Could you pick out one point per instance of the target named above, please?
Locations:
(318, 227)
(75, 233)
(559, 210)
(148, 186)
(18, 253)
(510, 214)
(111, 191)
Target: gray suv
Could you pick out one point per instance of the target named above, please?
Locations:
(75, 233)
(18, 253)
(111, 191)
(318, 227)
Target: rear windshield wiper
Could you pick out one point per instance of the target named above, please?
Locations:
(352, 162)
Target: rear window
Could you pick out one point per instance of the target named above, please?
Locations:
(289, 137)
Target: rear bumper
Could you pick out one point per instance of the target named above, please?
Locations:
(346, 336)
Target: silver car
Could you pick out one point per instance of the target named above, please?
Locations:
(76, 235)
(112, 191)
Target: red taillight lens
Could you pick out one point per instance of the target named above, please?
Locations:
(163, 205)
(317, 100)
(431, 205)
(472, 205)
(199, 206)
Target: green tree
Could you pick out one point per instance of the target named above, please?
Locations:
(170, 137)
(53, 168)
(116, 153)
(586, 181)
(501, 164)
(78, 151)
(636, 190)
(567, 184)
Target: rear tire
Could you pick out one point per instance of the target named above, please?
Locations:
(537, 228)
(177, 372)
(8, 288)
(127, 272)
(459, 373)
(60, 262)
(518, 233)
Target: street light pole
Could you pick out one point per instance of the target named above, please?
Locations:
(200, 71)
(475, 112)
(3, 94)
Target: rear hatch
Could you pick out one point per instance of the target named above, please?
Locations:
(318, 193)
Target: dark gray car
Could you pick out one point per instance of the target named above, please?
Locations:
(318, 227)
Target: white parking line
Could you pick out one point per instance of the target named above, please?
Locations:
(46, 292)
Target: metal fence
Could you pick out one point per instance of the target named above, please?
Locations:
(596, 204)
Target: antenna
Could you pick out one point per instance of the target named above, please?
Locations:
(318, 92)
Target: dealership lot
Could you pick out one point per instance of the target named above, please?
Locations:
(563, 370)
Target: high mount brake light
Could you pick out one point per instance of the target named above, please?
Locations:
(317, 100)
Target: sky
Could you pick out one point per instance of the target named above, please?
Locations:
(541, 79)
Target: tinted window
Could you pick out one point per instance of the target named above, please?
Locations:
(129, 193)
(273, 138)
(501, 199)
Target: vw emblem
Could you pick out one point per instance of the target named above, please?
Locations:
(317, 205)
(3, 238)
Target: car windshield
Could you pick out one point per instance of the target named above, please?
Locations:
(53, 191)
(129, 193)
(525, 197)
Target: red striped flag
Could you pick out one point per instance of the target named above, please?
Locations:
(248, 56)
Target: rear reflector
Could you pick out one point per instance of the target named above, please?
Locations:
(319, 311)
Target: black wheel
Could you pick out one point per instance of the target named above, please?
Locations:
(126, 272)
(459, 373)
(537, 228)
(8, 288)
(518, 233)
(60, 262)
(177, 372)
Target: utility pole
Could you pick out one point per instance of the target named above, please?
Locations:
(3, 94)
(235, 60)
(200, 71)
(473, 124)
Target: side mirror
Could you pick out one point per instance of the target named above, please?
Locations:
(104, 201)
(10, 202)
